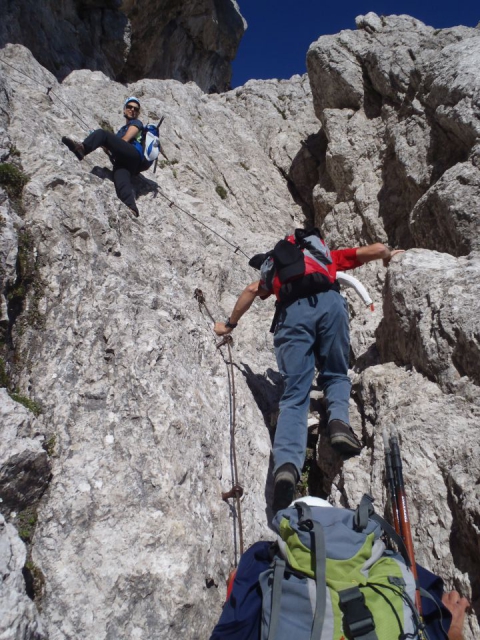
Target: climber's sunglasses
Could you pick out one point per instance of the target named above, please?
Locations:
(132, 106)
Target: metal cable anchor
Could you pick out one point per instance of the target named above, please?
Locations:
(235, 492)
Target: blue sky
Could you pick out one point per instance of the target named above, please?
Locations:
(280, 32)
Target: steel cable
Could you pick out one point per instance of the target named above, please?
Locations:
(50, 93)
(236, 490)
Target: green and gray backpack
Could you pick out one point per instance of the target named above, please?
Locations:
(334, 579)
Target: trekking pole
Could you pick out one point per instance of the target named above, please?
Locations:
(390, 481)
(402, 508)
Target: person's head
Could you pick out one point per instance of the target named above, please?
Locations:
(131, 107)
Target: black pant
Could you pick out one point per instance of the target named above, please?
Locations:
(126, 162)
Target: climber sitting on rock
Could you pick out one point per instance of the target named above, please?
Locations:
(311, 326)
(124, 149)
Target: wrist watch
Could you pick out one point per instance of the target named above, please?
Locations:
(230, 325)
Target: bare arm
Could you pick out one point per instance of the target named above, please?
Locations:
(243, 304)
(457, 607)
(131, 133)
(377, 251)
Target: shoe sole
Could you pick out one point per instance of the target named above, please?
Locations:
(343, 444)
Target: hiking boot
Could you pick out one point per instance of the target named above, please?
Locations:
(286, 480)
(135, 211)
(75, 147)
(343, 439)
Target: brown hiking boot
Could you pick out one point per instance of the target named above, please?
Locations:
(343, 439)
(75, 147)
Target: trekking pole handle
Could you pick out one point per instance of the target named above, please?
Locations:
(390, 482)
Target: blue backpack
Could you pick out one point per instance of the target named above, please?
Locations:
(151, 145)
(242, 613)
(274, 597)
(151, 141)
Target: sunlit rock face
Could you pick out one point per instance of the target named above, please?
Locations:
(132, 537)
(20, 618)
(187, 41)
(398, 103)
(397, 161)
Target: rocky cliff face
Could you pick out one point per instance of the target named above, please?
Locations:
(127, 40)
(131, 537)
(398, 102)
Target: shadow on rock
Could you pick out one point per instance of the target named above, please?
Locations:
(368, 358)
(104, 173)
(269, 482)
(144, 185)
(308, 169)
(141, 184)
(328, 470)
(267, 390)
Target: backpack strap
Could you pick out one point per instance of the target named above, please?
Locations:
(357, 618)
(365, 511)
(276, 315)
(301, 234)
(306, 522)
(393, 535)
(278, 572)
(425, 594)
(279, 307)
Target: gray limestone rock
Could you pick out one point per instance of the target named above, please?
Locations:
(187, 41)
(451, 86)
(133, 536)
(440, 452)
(123, 360)
(447, 217)
(335, 72)
(431, 319)
(410, 94)
(72, 35)
(196, 40)
(19, 619)
(9, 225)
(24, 464)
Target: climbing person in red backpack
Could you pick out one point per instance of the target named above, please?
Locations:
(125, 150)
(310, 328)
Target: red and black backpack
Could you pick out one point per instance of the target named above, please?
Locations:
(300, 265)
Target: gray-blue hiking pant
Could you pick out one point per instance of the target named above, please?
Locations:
(309, 330)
